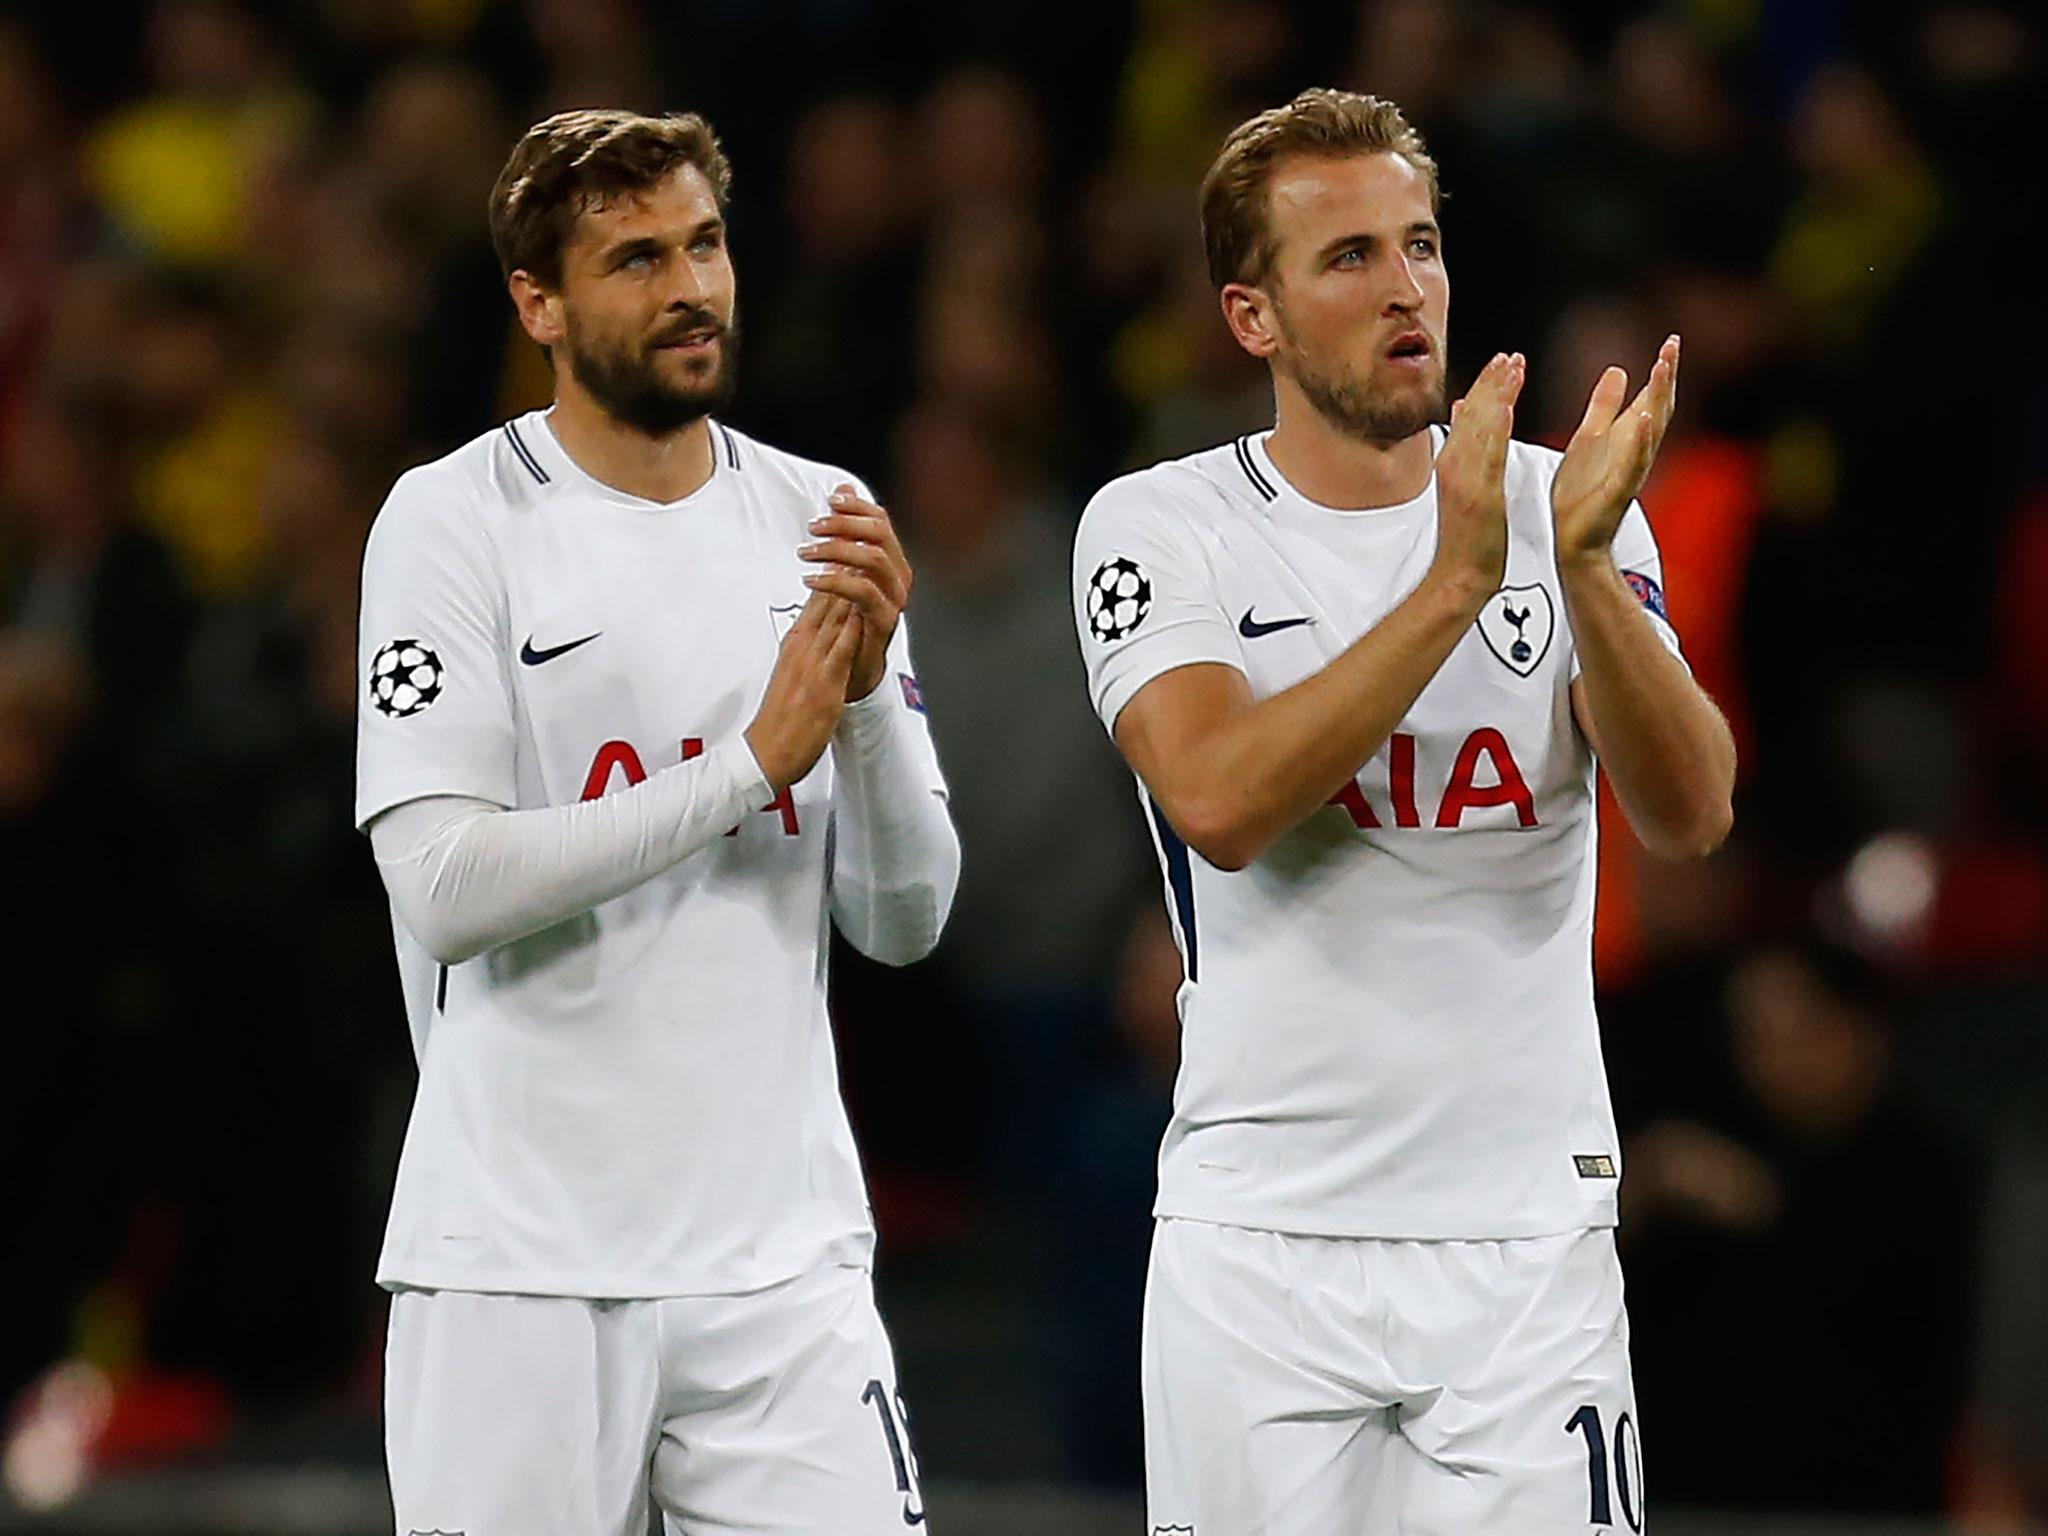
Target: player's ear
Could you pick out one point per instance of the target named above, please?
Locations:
(539, 307)
(1248, 311)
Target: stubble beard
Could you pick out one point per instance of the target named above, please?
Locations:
(625, 380)
(1351, 404)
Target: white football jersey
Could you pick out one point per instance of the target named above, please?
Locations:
(644, 1100)
(1387, 1020)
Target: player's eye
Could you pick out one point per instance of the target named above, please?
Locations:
(1422, 245)
(705, 244)
(638, 261)
(1351, 256)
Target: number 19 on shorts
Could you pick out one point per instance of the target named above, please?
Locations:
(889, 1408)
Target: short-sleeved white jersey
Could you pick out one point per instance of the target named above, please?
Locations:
(643, 1100)
(1387, 1019)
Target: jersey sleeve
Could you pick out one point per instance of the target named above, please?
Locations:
(434, 711)
(1145, 600)
(896, 856)
(897, 705)
(1642, 567)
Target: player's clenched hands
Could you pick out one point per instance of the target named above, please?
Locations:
(863, 562)
(1610, 456)
(1472, 521)
(806, 691)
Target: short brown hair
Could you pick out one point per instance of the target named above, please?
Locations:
(1236, 231)
(578, 160)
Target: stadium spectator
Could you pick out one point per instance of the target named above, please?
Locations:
(1808, 1230)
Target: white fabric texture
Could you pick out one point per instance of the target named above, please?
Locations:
(629, 1085)
(1317, 1386)
(1387, 1019)
(775, 1410)
(465, 875)
(895, 854)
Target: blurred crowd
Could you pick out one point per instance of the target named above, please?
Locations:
(244, 281)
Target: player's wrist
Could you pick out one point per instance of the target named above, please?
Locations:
(1581, 565)
(756, 785)
(867, 706)
(1462, 584)
(775, 760)
(865, 724)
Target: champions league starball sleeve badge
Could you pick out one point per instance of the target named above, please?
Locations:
(405, 678)
(1119, 597)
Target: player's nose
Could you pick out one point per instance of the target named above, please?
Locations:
(1404, 291)
(686, 287)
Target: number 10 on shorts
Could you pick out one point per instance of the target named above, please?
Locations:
(1628, 1466)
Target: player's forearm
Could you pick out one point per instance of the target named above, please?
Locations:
(896, 857)
(1664, 745)
(466, 876)
(1266, 768)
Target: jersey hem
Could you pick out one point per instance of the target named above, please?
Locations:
(1118, 695)
(426, 788)
(857, 1249)
(1293, 1223)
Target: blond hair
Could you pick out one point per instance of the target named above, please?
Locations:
(1236, 230)
(577, 160)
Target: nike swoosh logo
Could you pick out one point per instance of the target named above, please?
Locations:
(1252, 629)
(534, 658)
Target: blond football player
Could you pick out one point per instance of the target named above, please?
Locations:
(1365, 668)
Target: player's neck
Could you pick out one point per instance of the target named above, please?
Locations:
(1335, 469)
(652, 468)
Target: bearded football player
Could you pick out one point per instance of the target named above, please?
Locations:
(639, 721)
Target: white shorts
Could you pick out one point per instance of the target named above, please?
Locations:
(773, 1413)
(1316, 1386)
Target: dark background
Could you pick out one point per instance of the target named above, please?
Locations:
(244, 281)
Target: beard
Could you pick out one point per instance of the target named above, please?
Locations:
(625, 378)
(1353, 406)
